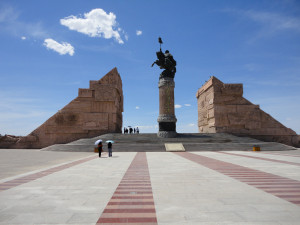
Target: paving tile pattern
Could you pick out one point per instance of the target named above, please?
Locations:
(282, 187)
(132, 202)
(277, 153)
(256, 157)
(25, 179)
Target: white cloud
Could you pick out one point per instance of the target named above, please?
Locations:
(191, 124)
(139, 32)
(62, 49)
(137, 107)
(23, 38)
(187, 104)
(178, 106)
(96, 23)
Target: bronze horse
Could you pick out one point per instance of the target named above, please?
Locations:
(166, 62)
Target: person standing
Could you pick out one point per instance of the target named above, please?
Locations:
(109, 146)
(100, 148)
(137, 130)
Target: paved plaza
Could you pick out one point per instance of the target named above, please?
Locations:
(198, 187)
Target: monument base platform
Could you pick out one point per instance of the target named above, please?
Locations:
(152, 143)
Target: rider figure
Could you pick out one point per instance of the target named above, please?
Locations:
(167, 62)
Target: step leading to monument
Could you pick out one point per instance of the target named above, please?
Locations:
(152, 143)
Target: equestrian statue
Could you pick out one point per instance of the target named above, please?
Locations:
(165, 61)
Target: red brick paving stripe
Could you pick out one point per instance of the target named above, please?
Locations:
(135, 181)
(266, 188)
(129, 210)
(23, 180)
(295, 202)
(261, 158)
(277, 153)
(131, 203)
(135, 186)
(267, 182)
(282, 191)
(144, 220)
(132, 197)
(136, 192)
(227, 169)
(259, 178)
(140, 180)
(288, 196)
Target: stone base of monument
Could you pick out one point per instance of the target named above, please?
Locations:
(166, 119)
(167, 126)
(166, 134)
(152, 143)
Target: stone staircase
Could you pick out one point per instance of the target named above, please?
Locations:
(151, 143)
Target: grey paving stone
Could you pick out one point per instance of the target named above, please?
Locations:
(17, 161)
(83, 218)
(281, 169)
(199, 194)
(5, 217)
(184, 193)
(40, 218)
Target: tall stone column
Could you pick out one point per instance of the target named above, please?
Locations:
(166, 119)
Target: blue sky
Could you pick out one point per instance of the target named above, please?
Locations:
(49, 49)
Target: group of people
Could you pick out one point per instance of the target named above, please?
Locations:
(131, 130)
(109, 147)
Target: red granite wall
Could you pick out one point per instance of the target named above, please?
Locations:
(97, 110)
(223, 109)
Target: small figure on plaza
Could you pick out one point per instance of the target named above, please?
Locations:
(165, 61)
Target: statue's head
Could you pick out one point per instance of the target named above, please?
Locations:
(167, 51)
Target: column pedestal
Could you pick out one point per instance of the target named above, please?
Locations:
(166, 119)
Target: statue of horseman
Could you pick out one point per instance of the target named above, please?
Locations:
(165, 61)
